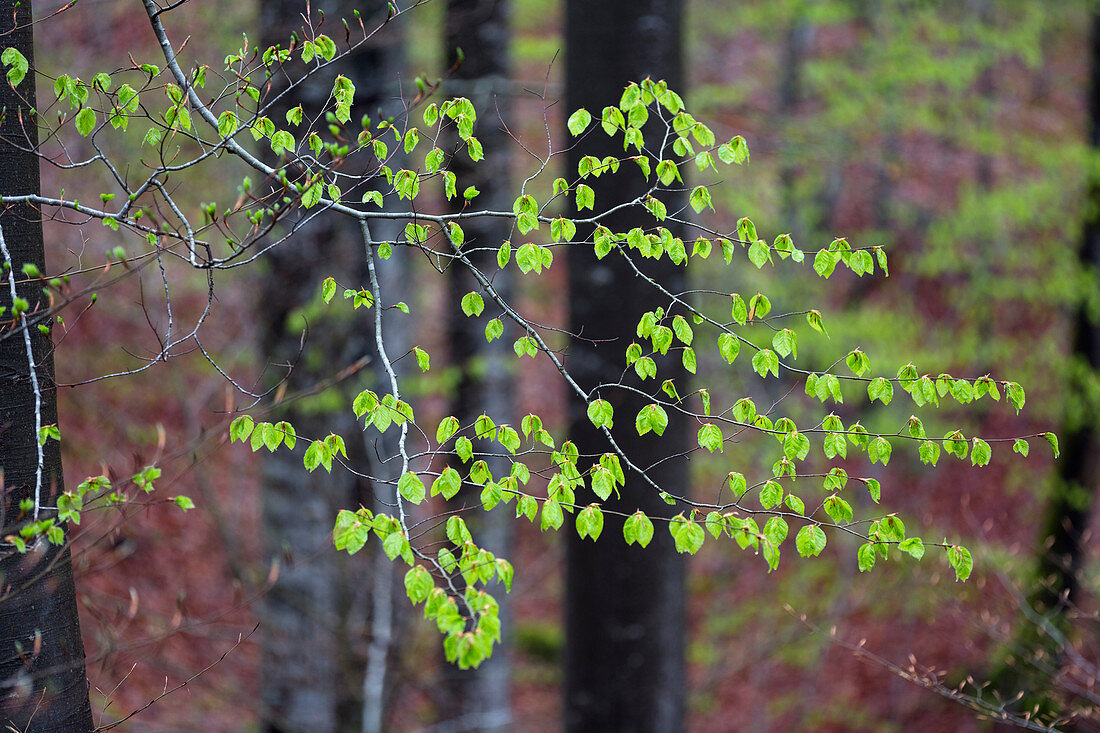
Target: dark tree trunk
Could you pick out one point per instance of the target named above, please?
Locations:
(315, 621)
(480, 28)
(624, 657)
(44, 687)
(1069, 505)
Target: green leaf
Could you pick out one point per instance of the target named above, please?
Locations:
(227, 123)
(328, 289)
(317, 454)
(241, 428)
(84, 121)
(796, 445)
(365, 402)
(422, 359)
(282, 140)
(528, 258)
(1053, 440)
(765, 361)
(586, 197)
(682, 329)
(638, 528)
(525, 346)
(1021, 446)
(447, 483)
(980, 452)
(1015, 395)
(473, 147)
(600, 413)
(590, 522)
(955, 444)
(579, 121)
(771, 494)
(700, 199)
(418, 584)
(603, 482)
(739, 311)
(758, 253)
(825, 263)
(874, 488)
(651, 417)
(688, 359)
(866, 557)
(504, 254)
(312, 194)
(552, 516)
(838, 510)
(880, 389)
(326, 47)
(472, 304)
(959, 558)
(688, 535)
(858, 362)
(494, 329)
(810, 540)
(914, 546)
(562, 229)
(710, 437)
(879, 449)
(464, 448)
(759, 306)
(448, 426)
(930, 452)
(350, 531)
(457, 532)
(18, 63)
(775, 530)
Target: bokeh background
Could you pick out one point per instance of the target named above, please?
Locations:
(953, 134)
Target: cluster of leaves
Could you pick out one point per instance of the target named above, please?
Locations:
(548, 479)
(94, 492)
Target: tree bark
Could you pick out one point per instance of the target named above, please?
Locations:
(624, 655)
(315, 630)
(480, 697)
(1065, 519)
(44, 687)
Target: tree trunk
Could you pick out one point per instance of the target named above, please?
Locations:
(480, 697)
(1066, 517)
(314, 619)
(44, 687)
(624, 656)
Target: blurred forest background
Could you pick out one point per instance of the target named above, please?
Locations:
(956, 134)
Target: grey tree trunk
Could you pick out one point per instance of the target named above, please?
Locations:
(479, 699)
(624, 655)
(315, 625)
(42, 682)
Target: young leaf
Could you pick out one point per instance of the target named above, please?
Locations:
(866, 557)
(579, 121)
(447, 483)
(638, 528)
(914, 546)
(600, 413)
(810, 540)
(710, 437)
(472, 304)
(494, 329)
(960, 560)
(18, 64)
